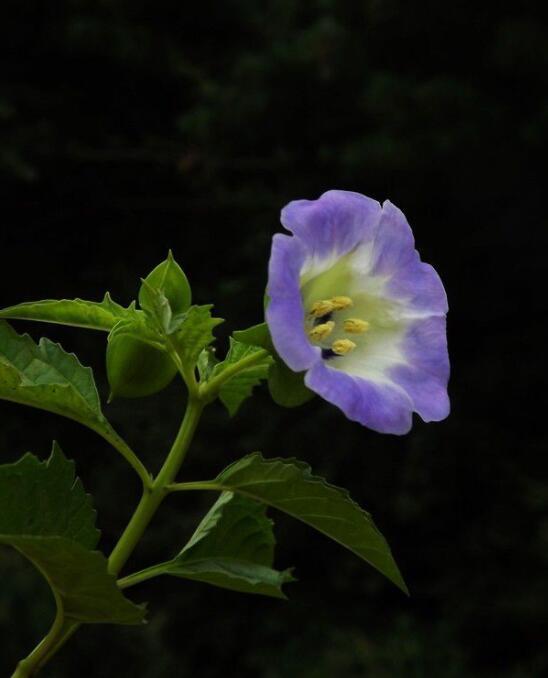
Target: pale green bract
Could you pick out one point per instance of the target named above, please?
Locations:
(46, 515)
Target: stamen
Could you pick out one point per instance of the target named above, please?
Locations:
(341, 303)
(320, 332)
(355, 326)
(321, 308)
(343, 346)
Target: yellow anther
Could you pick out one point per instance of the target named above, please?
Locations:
(340, 303)
(320, 332)
(343, 346)
(321, 308)
(355, 326)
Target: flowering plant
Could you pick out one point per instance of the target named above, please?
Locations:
(352, 315)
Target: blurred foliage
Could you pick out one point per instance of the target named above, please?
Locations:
(131, 127)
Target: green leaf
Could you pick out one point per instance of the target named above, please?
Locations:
(159, 315)
(207, 362)
(169, 279)
(234, 391)
(45, 376)
(258, 335)
(286, 387)
(46, 515)
(289, 486)
(94, 315)
(193, 332)
(233, 547)
(45, 499)
(79, 579)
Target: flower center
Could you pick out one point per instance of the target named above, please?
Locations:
(330, 332)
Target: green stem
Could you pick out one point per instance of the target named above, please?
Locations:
(188, 375)
(197, 485)
(151, 499)
(154, 491)
(153, 496)
(28, 666)
(110, 435)
(142, 575)
(68, 629)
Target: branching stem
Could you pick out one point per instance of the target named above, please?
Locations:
(129, 455)
(28, 666)
(154, 491)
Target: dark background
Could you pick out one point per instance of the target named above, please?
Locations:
(130, 127)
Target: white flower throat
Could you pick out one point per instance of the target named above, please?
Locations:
(369, 325)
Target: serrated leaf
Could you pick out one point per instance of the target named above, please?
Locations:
(169, 279)
(45, 499)
(80, 580)
(289, 486)
(193, 332)
(286, 387)
(207, 361)
(94, 315)
(234, 391)
(46, 515)
(233, 547)
(45, 376)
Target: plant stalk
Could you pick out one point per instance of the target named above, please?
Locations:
(154, 491)
(151, 499)
(29, 666)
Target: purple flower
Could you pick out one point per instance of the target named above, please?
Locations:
(353, 305)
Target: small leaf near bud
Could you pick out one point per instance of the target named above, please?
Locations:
(168, 278)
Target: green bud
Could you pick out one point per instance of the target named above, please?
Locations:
(168, 278)
(136, 369)
(286, 387)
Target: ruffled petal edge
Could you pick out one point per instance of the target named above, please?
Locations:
(285, 311)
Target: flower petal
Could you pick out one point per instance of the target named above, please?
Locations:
(333, 225)
(408, 279)
(285, 311)
(394, 244)
(346, 244)
(425, 376)
(380, 406)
